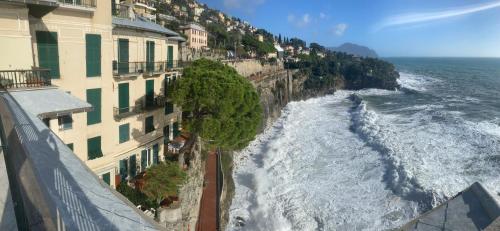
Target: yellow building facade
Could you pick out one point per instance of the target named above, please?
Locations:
(122, 66)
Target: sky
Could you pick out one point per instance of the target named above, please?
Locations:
(420, 28)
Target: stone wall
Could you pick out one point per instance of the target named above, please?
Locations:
(186, 217)
(248, 67)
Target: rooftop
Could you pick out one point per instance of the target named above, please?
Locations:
(51, 186)
(142, 24)
(472, 209)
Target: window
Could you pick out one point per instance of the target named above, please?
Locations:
(65, 122)
(150, 55)
(132, 163)
(94, 148)
(166, 134)
(123, 169)
(46, 121)
(70, 146)
(169, 108)
(149, 124)
(48, 52)
(93, 54)
(123, 64)
(176, 131)
(94, 98)
(106, 177)
(150, 93)
(123, 98)
(124, 133)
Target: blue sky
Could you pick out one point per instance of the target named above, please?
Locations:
(457, 28)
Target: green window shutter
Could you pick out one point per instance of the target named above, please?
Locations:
(156, 150)
(149, 124)
(70, 146)
(144, 160)
(94, 148)
(165, 85)
(170, 56)
(150, 92)
(123, 98)
(176, 129)
(150, 55)
(48, 52)
(166, 134)
(93, 54)
(124, 133)
(123, 169)
(169, 108)
(106, 177)
(133, 165)
(123, 65)
(94, 98)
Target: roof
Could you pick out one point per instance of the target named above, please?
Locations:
(7, 214)
(194, 26)
(50, 102)
(143, 24)
(472, 209)
(177, 38)
(278, 48)
(82, 201)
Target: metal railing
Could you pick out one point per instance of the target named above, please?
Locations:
(82, 3)
(121, 113)
(128, 68)
(155, 67)
(157, 101)
(136, 68)
(25, 78)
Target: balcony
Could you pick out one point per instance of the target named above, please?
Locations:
(155, 68)
(13, 79)
(134, 69)
(79, 3)
(121, 113)
(155, 102)
(127, 69)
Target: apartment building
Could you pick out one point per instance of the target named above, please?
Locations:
(122, 65)
(196, 35)
(142, 8)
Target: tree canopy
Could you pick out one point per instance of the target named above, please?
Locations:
(222, 106)
(163, 180)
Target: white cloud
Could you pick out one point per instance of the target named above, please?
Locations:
(248, 6)
(323, 15)
(299, 22)
(340, 29)
(413, 18)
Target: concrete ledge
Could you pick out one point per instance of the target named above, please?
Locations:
(489, 203)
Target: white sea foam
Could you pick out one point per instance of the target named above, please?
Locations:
(335, 163)
(416, 82)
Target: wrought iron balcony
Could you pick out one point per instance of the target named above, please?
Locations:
(127, 69)
(155, 102)
(154, 68)
(120, 113)
(35, 78)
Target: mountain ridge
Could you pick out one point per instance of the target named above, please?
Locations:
(355, 49)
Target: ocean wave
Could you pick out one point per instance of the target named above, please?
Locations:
(399, 180)
(416, 82)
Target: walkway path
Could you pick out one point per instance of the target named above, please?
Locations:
(208, 209)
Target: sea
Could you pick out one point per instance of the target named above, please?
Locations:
(374, 159)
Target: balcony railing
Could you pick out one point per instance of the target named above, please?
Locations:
(157, 101)
(80, 3)
(125, 112)
(25, 78)
(155, 67)
(150, 68)
(127, 68)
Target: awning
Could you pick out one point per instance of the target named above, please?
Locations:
(50, 102)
